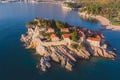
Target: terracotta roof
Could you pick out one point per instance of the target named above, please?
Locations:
(66, 35)
(52, 35)
(50, 28)
(64, 29)
(93, 39)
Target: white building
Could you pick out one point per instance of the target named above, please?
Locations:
(66, 38)
(54, 37)
(93, 41)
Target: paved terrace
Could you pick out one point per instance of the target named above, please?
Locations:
(38, 41)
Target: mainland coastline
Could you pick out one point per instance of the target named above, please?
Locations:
(63, 43)
(105, 23)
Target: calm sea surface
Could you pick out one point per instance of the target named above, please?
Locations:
(16, 63)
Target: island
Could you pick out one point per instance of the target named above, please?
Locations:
(59, 42)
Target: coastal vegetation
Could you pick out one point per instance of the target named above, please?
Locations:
(60, 24)
(31, 23)
(110, 11)
(72, 5)
(76, 46)
(107, 8)
(74, 35)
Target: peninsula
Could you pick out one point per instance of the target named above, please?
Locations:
(63, 43)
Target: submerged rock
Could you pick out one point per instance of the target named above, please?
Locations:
(44, 63)
(101, 52)
(69, 65)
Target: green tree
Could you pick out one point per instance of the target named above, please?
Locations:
(59, 24)
(74, 35)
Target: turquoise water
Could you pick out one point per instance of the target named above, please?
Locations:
(17, 63)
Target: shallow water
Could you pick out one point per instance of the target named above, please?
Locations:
(17, 63)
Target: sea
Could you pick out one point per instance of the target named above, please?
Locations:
(18, 63)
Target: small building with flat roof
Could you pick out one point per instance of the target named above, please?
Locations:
(64, 29)
(93, 41)
(54, 37)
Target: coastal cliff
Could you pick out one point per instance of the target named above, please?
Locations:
(64, 45)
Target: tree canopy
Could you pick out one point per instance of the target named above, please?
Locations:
(74, 35)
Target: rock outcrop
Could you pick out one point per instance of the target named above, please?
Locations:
(65, 55)
(44, 63)
(101, 52)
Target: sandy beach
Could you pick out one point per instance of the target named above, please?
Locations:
(104, 21)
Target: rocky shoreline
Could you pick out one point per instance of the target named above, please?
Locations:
(105, 23)
(65, 7)
(60, 51)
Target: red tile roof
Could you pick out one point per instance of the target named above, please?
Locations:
(52, 35)
(66, 35)
(50, 28)
(65, 29)
(93, 39)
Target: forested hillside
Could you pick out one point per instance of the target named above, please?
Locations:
(107, 8)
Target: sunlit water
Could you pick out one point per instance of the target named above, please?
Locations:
(17, 63)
